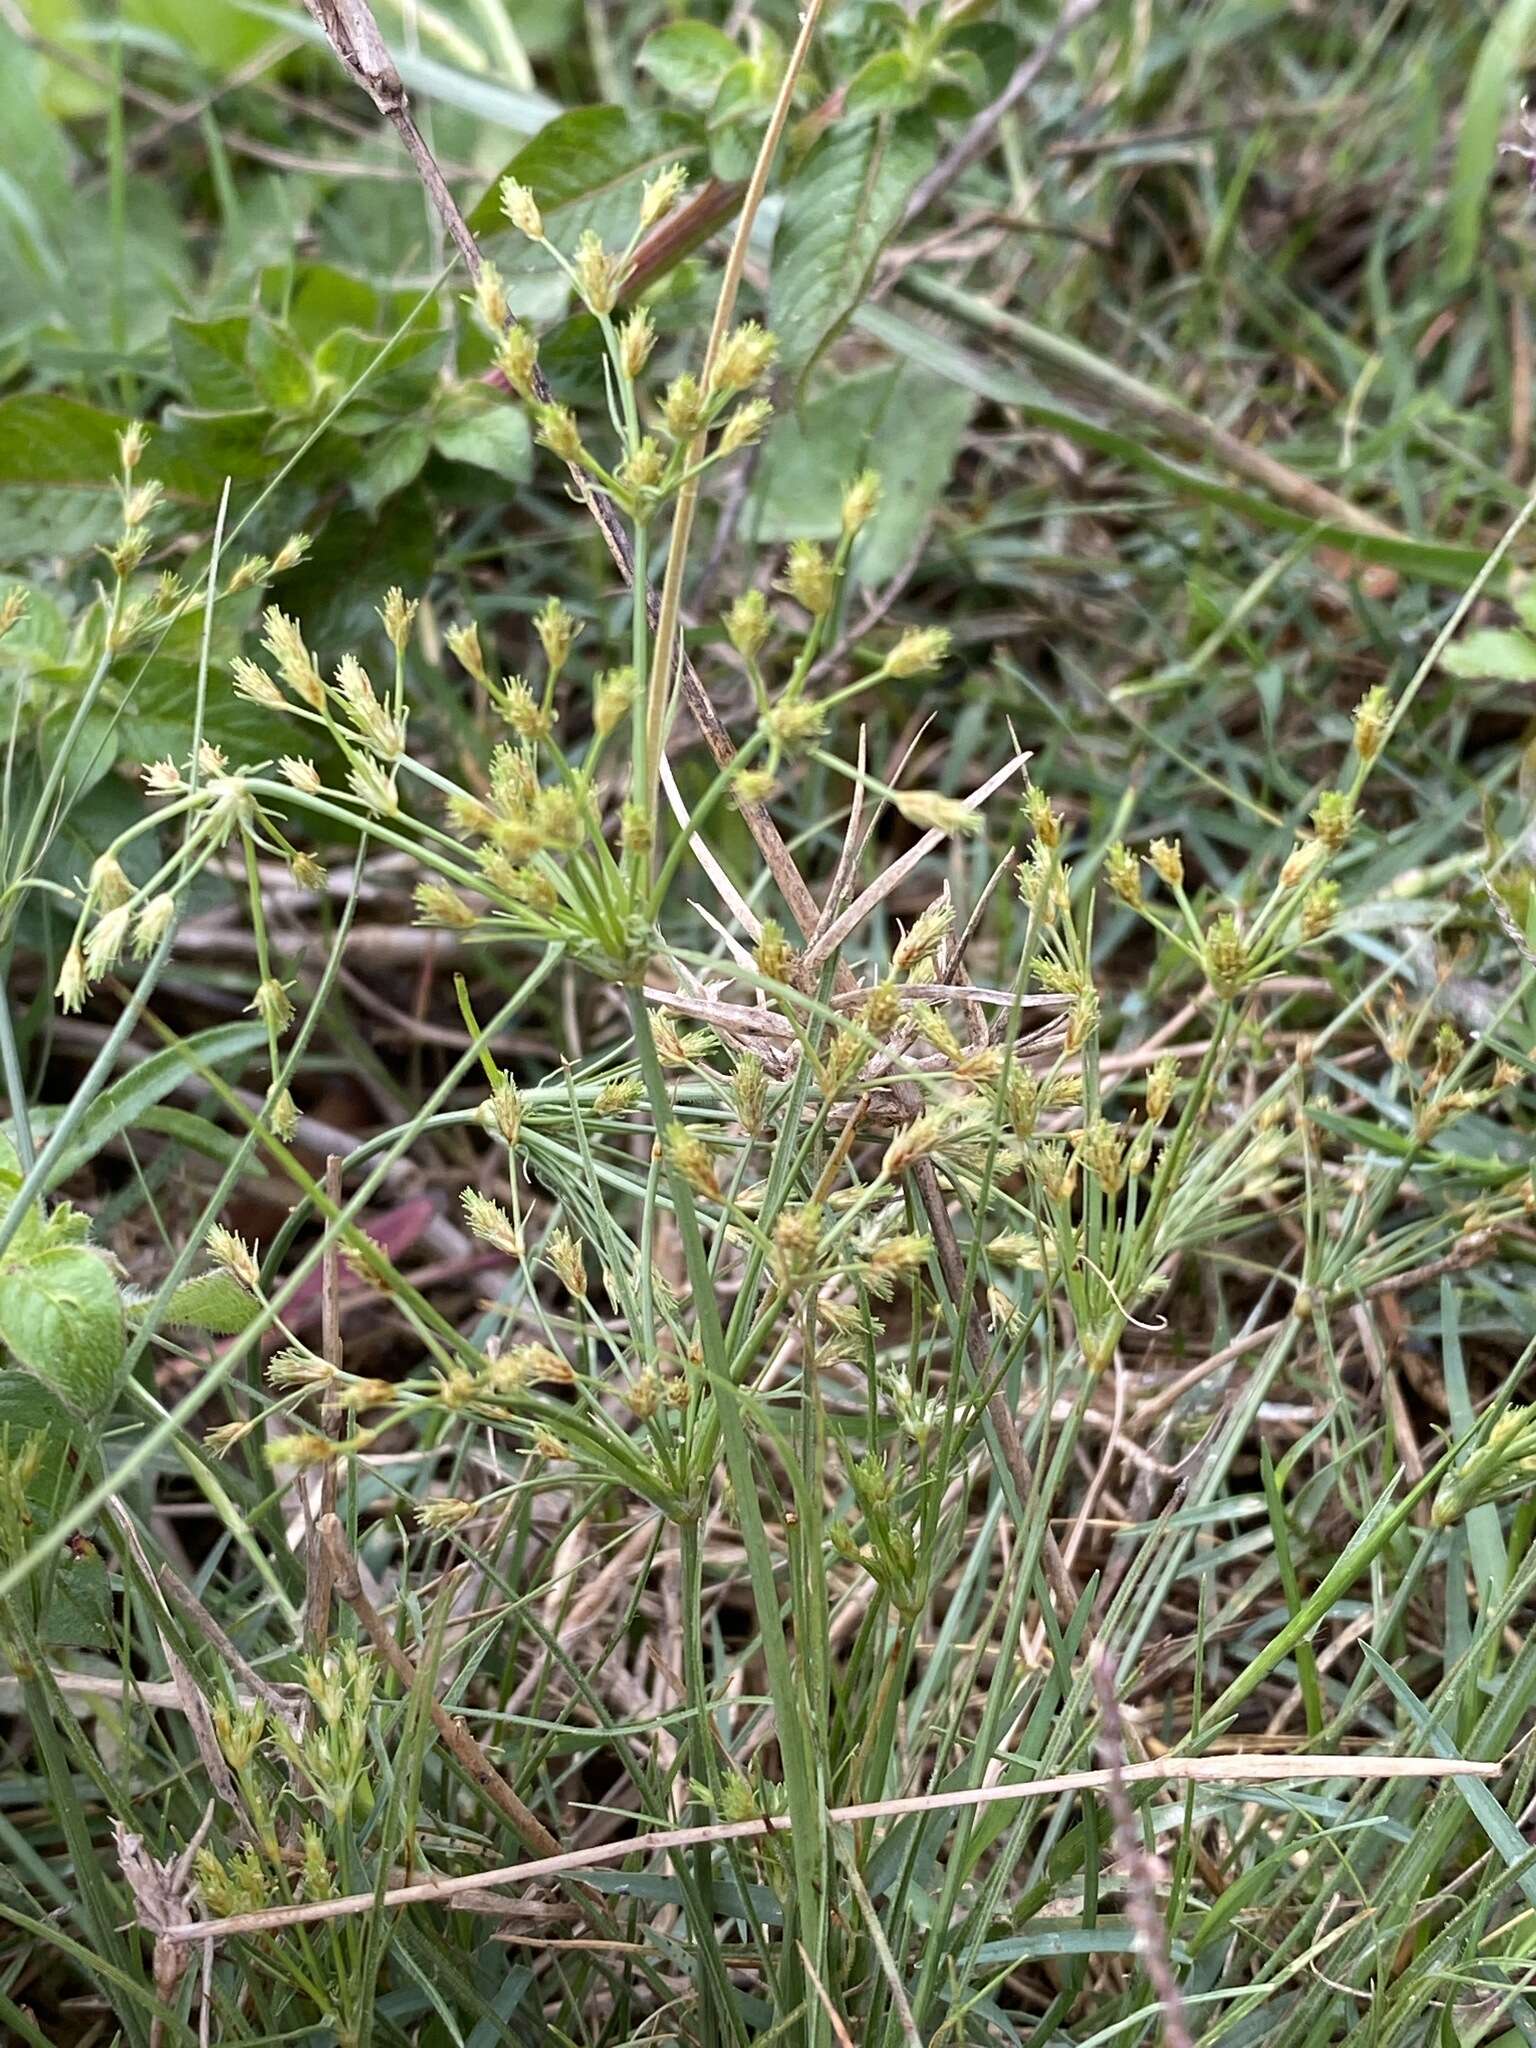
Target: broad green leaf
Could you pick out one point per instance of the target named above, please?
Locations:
(390, 461)
(223, 38)
(77, 1611)
(489, 434)
(213, 1301)
(210, 357)
(329, 594)
(157, 718)
(279, 366)
(842, 208)
(884, 84)
(688, 59)
(1492, 654)
(588, 153)
(11, 1177)
(61, 1320)
(902, 422)
(28, 1411)
(48, 439)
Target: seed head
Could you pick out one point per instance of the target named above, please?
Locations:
(691, 1157)
(1057, 1171)
(1226, 956)
(247, 573)
(1300, 861)
(683, 410)
(489, 1222)
(285, 643)
(617, 1098)
(920, 651)
(374, 722)
(464, 645)
(283, 1114)
(796, 1241)
(523, 712)
(613, 701)
(1333, 819)
(637, 337)
(1371, 718)
(745, 425)
(517, 356)
(291, 553)
(1123, 875)
(373, 788)
(747, 624)
(882, 1009)
(398, 613)
(893, 1260)
(272, 1004)
(808, 578)
(131, 443)
(1320, 910)
(152, 924)
(303, 775)
(749, 1094)
(1160, 1086)
(254, 684)
(752, 786)
(558, 431)
(13, 608)
(660, 194)
(234, 1256)
(917, 1140)
(73, 985)
(240, 1731)
(490, 299)
(1101, 1148)
(795, 723)
(441, 1516)
(920, 942)
(522, 209)
(141, 504)
(1043, 821)
(564, 1253)
(503, 1113)
(933, 812)
(643, 468)
(774, 956)
(109, 885)
(1165, 857)
(598, 272)
(861, 500)
(105, 942)
(744, 357)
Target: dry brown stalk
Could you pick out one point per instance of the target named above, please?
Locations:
(1196, 1770)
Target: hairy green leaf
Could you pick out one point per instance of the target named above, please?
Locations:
(842, 208)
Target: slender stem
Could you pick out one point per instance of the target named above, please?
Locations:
(664, 652)
(791, 1720)
(10, 1065)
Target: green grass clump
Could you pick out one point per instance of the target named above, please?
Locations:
(767, 899)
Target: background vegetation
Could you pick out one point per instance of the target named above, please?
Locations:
(553, 1297)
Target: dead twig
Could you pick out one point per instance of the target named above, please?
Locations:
(1173, 1770)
